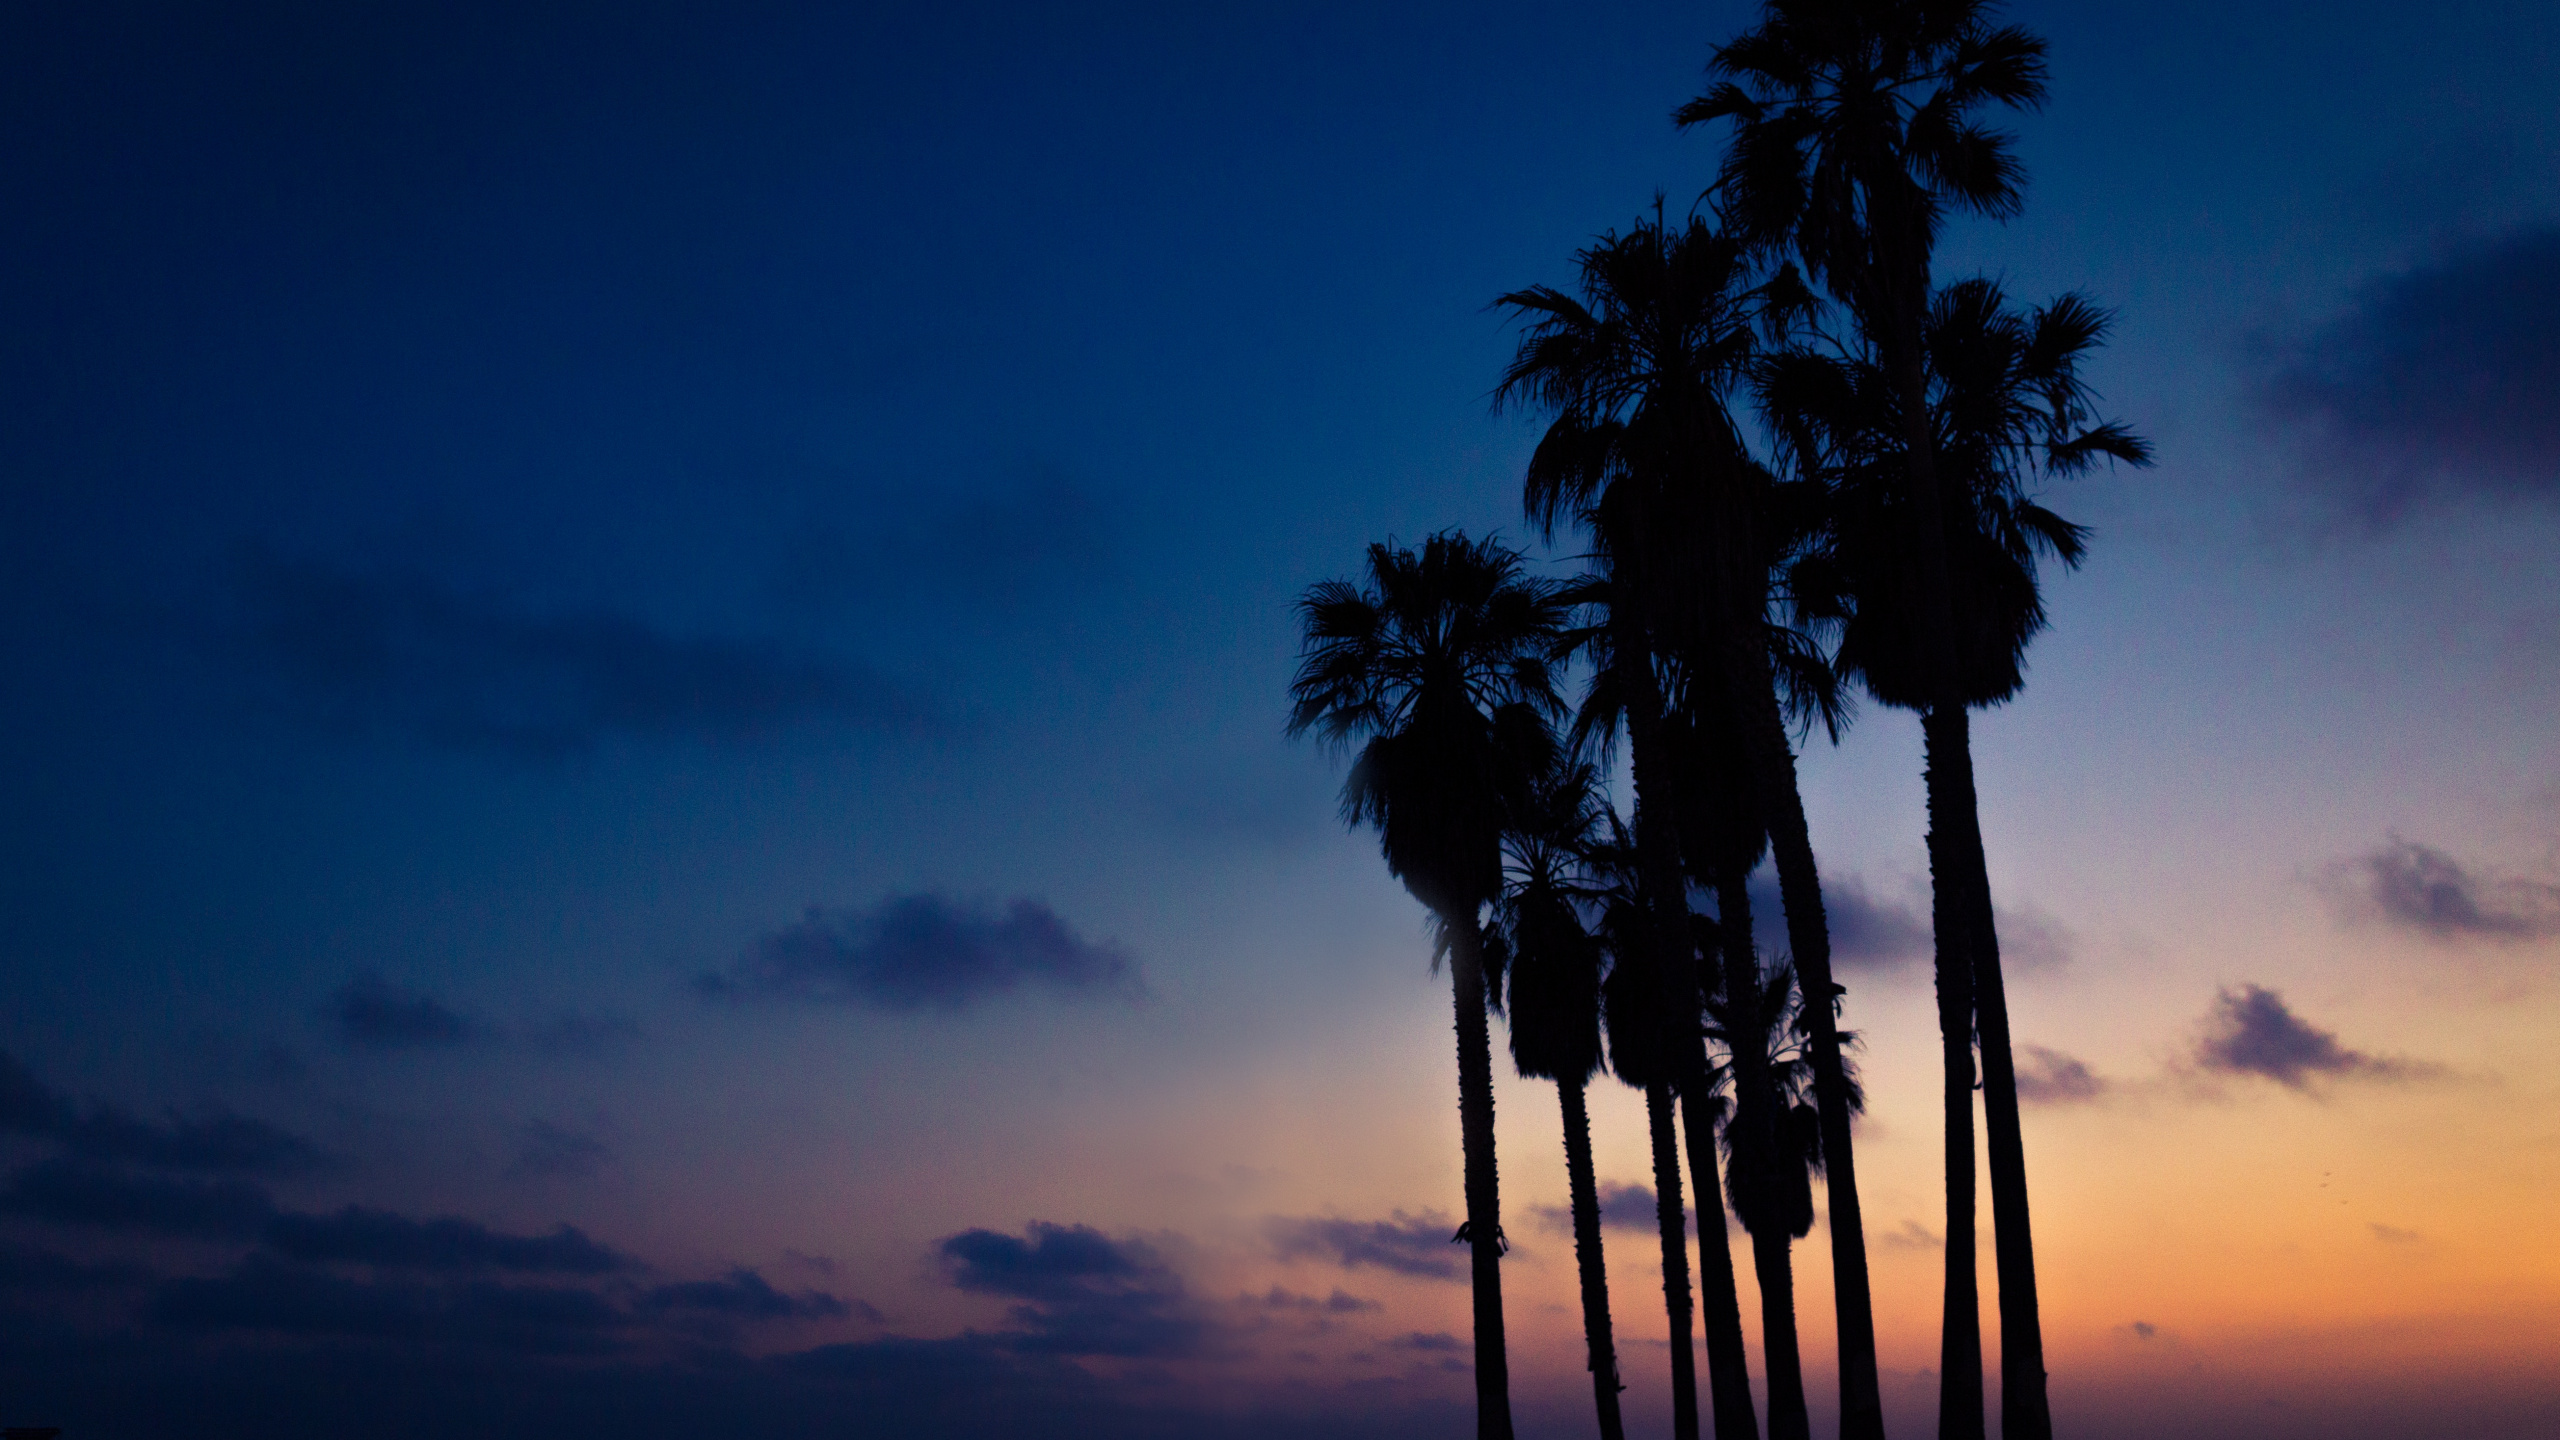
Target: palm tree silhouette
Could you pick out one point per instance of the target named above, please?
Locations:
(1550, 964)
(1855, 134)
(2007, 410)
(1771, 1169)
(1438, 668)
(1644, 450)
(1656, 339)
(1642, 1036)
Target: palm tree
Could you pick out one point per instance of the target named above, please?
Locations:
(1438, 668)
(1641, 1038)
(1655, 924)
(1638, 373)
(2007, 410)
(1551, 967)
(1855, 133)
(1771, 1169)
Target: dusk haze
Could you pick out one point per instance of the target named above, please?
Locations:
(1783, 719)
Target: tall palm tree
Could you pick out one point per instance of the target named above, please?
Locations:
(1438, 668)
(1641, 1041)
(1552, 963)
(1765, 1030)
(2007, 410)
(1855, 135)
(1655, 921)
(1638, 374)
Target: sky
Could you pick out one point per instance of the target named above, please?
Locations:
(646, 649)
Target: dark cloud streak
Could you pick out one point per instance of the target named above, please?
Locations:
(1082, 1292)
(372, 1013)
(1416, 1245)
(2440, 380)
(925, 951)
(2252, 1032)
(404, 654)
(2421, 888)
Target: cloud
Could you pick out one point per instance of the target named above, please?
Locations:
(66, 1191)
(265, 1295)
(743, 1294)
(2049, 1077)
(1438, 1342)
(2393, 1234)
(215, 1143)
(1912, 1236)
(1340, 1302)
(1083, 1293)
(1622, 1207)
(2421, 888)
(1417, 1245)
(386, 1241)
(2438, 381)
(1866, 933)
(925, 951)
(403, 654)
(1871, 933)
(552, 1152)
(2251, 1032)
(372, 1013)
(2143, 1330)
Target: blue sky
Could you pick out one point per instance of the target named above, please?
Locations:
(507, 512)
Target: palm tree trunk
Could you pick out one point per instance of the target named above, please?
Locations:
(1484, 1202)
(1773, 768)
(1960, 1407)
(1589, 1261)
(2024, 1411)
(1675, 1259)
(1684, 1043)
(1773, 1261)
(1728, 1372)
(2024, 1414)
(1754, 1109)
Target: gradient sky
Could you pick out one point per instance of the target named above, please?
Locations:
(645, 649)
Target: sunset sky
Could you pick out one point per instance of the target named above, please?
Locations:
(646, 647)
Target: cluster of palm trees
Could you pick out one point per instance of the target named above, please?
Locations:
(1794, 464)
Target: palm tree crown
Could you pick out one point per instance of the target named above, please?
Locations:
(1855, 131)
(1440, 665)
(2007, 410)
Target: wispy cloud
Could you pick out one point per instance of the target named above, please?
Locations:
(2421, 888)
(2441, 380)
(371, 1013)
(926, 951)
(217, 1142)
(401, 653)
(2049, 1077)
(1417, 1245)
(2251, 1031)
(1622, 1207)
(1081, 1292)
(1874, 932)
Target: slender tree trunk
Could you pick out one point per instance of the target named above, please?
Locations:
(1484, 1201)
(2024, 1410)
(1589, 1261)
(1675, 1259)
(1773, 1261)
(1684, 1044)
(1773, 768)
(1720, 1303)
(1755, 1145)
(2024, 1414)
(1960, 1407)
